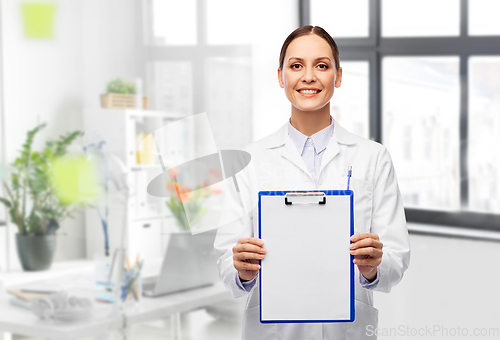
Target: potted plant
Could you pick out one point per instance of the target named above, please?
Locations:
(32, 200)
(121, 95)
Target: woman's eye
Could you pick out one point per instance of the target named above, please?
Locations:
(323, 66)
(295, 66)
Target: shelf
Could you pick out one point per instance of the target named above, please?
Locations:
(140, 167)
(146, 216)
(153, 114)
(151, 217)
(139, 113)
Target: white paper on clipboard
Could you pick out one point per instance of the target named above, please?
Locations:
(307, 275)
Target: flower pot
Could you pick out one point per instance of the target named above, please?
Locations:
(36, 252)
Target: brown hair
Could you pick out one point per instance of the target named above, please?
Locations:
(305, 30)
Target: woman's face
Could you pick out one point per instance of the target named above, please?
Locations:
(309, 76)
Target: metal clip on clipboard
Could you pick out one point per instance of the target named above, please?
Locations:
(311, 198)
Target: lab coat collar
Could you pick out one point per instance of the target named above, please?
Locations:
(290, 152)
(280, 138)
(320, 139)
(340, 136)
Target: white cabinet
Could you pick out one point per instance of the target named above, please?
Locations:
(147, 218)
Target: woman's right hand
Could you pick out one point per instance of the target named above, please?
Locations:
(246, 255)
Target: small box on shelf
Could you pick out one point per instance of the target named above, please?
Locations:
(122, 101)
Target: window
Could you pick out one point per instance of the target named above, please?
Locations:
(484, 134)
(229, 104)
(406, 81)
(423, 18)
(197, 59)
(432, 99)
(171, 86)
(167, 16)
(341, 18)
(228, 22)
(350, 104)
(483, 17)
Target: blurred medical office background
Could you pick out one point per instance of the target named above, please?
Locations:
(420, 77)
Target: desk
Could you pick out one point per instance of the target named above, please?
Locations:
(16, 320)
(161, 307)
(19, 321)
(105, 318)
(58, 270)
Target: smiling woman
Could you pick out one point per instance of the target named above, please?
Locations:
(309, 74)
(315, 153)
(309, 71)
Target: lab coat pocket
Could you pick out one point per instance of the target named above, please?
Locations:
(363, 200)
(365, 322)
(253, 329)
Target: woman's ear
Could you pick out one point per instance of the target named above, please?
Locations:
(280, 78)
(338, 80)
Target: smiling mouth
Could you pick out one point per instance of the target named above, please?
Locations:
(309, 93)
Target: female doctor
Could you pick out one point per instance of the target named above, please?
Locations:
(313, 152)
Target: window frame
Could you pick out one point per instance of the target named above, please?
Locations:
(196, 54)
(374, 48)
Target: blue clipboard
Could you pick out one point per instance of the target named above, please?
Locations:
(320, 222)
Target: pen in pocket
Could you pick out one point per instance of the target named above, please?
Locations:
(349, 173)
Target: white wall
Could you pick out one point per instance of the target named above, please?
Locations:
(110, 35)
(42, 78)
(446, 288)
(53, 80)
(43, 83)
(3, 211)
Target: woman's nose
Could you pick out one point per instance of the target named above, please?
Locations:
(308, 75)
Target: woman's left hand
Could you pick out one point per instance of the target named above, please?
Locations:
(367, 251)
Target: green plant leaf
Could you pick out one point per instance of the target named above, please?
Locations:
(31, 185)
(120, 86)
(6, 202)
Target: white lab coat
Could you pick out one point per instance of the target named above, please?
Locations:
(276, 165)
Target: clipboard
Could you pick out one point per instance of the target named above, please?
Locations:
(308, 273)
